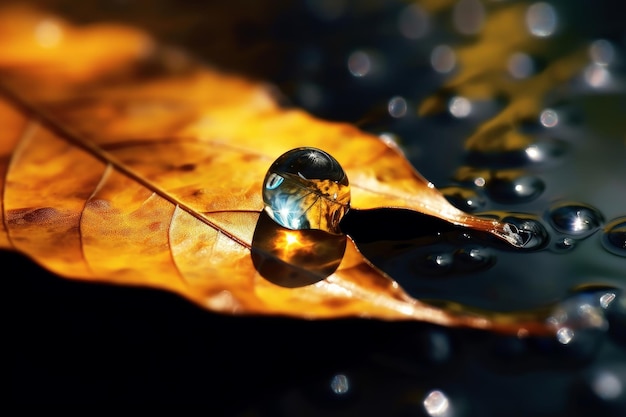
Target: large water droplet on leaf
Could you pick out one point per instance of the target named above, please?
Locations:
(306, 188)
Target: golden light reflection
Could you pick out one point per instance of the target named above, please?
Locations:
(293, 243)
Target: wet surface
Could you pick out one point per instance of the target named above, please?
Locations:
(554, 168)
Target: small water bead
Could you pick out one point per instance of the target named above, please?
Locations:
(597, 76)
(359, 63)
(564, 244)
(397, 107)
(473, 259)
(549, 118)
(471, 176)
(577, 220)
(434, 263)
(437, 404)
(515, 190)
(306, 188)
(466, 199)
(460, 107)
(542, 152)
(541, 19)
(614, 236)
(443, 59)
(340, 384)
(530, 229)
(520, 65)
(443, 260)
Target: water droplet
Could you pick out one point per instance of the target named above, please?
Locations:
(434, 264)
(465, 199)
(520, 65)
(575, 219)
(473, 259)
(564, 244)
(397, 107)
(359, 64)
(564, 335)
(541, 19)
(306, 188)
(339, 384)
(515, 190)
(460, 107)
(530, 229)
(549, 118)
(413, 22)
(437, 404)
(614, 236)
(597, 76)
(443, 59)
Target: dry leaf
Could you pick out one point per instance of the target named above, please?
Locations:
(127, 162)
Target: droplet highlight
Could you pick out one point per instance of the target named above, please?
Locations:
(577, 220)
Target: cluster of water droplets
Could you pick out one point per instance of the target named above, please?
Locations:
(568, 213)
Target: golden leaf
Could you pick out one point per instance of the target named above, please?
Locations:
(127, 162)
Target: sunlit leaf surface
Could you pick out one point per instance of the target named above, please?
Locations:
(136, 165)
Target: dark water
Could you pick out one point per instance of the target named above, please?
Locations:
(374, 64)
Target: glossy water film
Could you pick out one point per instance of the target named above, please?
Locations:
(306, 188)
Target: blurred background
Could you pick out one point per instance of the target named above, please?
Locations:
(514, 109)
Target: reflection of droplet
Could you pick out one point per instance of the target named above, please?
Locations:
(460, 107)
(541, 19)
(306, 188)
(339, 384)
(549, 118)
(520, 65)
(443, 59)
(437, 404)
(468, 16)
(575, 219)
(397, 107)
(614, 236)
(48, 33)
(601, 52)
(413, 22)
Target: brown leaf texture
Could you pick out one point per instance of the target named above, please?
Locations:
(128, 162)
